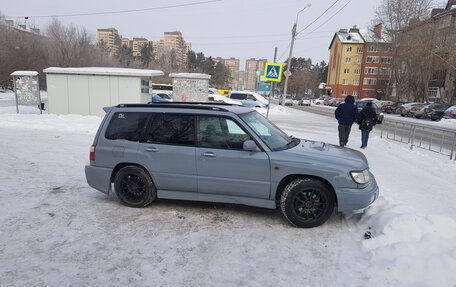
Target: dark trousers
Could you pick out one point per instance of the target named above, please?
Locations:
(344, 133)
(364, 137)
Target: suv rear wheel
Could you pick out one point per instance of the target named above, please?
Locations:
(307, 202)
(134, 187)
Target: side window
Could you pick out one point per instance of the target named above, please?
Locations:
(126, 126)
(172, 129)
(220, 133)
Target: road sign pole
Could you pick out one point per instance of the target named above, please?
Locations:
(272, 85)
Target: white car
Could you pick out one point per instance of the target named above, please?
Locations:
(222, 99)
(249, 95)
(319, 101)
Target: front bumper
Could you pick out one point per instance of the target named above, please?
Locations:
(349, 199)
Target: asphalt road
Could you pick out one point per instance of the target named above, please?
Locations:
(405, 130)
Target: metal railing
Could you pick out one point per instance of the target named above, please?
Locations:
(433, 139)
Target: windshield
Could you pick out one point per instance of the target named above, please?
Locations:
(272, 136)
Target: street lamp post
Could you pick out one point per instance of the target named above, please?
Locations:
(293, 36)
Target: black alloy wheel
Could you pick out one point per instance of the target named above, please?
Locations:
(134, 187)
(307, 202)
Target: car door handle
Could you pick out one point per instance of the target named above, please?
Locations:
(151, 149)
(208, 154)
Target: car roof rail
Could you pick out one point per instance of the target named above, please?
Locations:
(180, 105)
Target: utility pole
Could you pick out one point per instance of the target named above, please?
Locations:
(293, 36)
(272, 86)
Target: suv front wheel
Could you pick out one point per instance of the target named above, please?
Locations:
(134, 187)
(307, 202)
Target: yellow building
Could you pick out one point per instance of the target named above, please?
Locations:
(137, 44)
(344, 68)
(110, 37)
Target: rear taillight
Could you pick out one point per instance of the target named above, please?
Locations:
(401, 108)
(419, 109)
(92, 152)
(432, 111)
(388, 107)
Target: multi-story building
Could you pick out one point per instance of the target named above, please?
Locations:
(376, 64)
(360, 63)
(233, 65)
(173, 41)
(252, 73)
(127, 42)
(431, 46)
(137, 44)
(344, 67)
(111, 38)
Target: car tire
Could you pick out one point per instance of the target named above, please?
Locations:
(134, 187)
(307, 202)
(418, 117)
(402, 115)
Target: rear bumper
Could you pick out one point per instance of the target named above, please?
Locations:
(349, 199)
(98, 177)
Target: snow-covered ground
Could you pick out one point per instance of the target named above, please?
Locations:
(57, 231)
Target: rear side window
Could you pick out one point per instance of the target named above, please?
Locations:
(126, 126)
(172, 129)
(238, 96)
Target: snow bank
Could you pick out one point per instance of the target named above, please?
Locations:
(414, 249)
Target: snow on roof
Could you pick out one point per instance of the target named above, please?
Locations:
(350, 37)
(190, 75)
(24, 73)
(105, 71)
(370, 37)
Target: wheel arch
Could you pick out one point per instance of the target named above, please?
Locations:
(289, 178)
(124, 164)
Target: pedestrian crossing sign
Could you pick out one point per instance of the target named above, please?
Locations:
(273, 72)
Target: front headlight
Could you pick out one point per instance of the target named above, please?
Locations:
(381, 114)
(361, 177)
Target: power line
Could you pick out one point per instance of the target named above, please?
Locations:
(316, 19)
(118, 12)
(330, 18)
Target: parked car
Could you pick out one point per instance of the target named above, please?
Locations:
(222, 153)
(361, 104)
(418, 111)
(248, 99)
(450, 113)
(286, 100)
(155, 98)
(327, 101)
(165, 97)
(437, 113)
(247, 95)
(338, 101)
(428, 109)
(319, 101)
(222, 99)
(304, 102)
(405, 108)
(392, 108)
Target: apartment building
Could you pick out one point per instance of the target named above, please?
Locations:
(233, 64)
(111, 38)
(376, 64)
(253, 67)
(137, 44)
(360, 63)
(344, 67)
(172, 41)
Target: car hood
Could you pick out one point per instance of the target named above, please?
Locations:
(311, 152)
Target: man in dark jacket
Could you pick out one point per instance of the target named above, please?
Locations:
(367, 119)
(346, 114)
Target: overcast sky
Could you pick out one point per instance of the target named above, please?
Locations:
(228, 28)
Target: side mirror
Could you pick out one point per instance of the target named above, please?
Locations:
(250, 145)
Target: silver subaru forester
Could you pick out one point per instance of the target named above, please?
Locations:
(224, 153)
